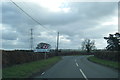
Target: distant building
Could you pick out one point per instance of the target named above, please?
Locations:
(43, 47)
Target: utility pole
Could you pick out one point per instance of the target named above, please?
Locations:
(31, 39)
(45, 56)
(57, 44)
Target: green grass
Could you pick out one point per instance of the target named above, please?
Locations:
(108, 63)
(27, 69)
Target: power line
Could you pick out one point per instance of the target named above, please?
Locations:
(28, 15)
(31, 39)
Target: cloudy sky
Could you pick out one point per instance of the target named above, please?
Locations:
(75, 21)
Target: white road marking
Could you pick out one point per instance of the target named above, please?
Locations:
(75, 60)
(77, 64)
(83, 74)
(43, 73)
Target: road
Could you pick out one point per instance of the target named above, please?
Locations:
(78, 67)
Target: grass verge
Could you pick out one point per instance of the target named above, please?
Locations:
(108, 63)
(27, 69)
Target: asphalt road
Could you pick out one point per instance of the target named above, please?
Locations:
(78, 67)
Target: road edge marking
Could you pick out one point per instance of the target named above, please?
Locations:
(77, 64)
(83, 74)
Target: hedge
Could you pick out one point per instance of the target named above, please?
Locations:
(108, 55)
(10, 58)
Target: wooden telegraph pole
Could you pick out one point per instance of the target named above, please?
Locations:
(31, 39)
(57, 44)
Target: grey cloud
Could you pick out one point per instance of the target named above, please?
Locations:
(76, 25)
(9, 35)
(94, 10)
(84, 12)
(9, 44)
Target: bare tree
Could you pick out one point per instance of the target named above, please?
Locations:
(88, 45)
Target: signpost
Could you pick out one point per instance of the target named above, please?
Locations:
(45, 47)
(45, 55)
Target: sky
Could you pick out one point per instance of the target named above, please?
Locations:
(75, 21)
